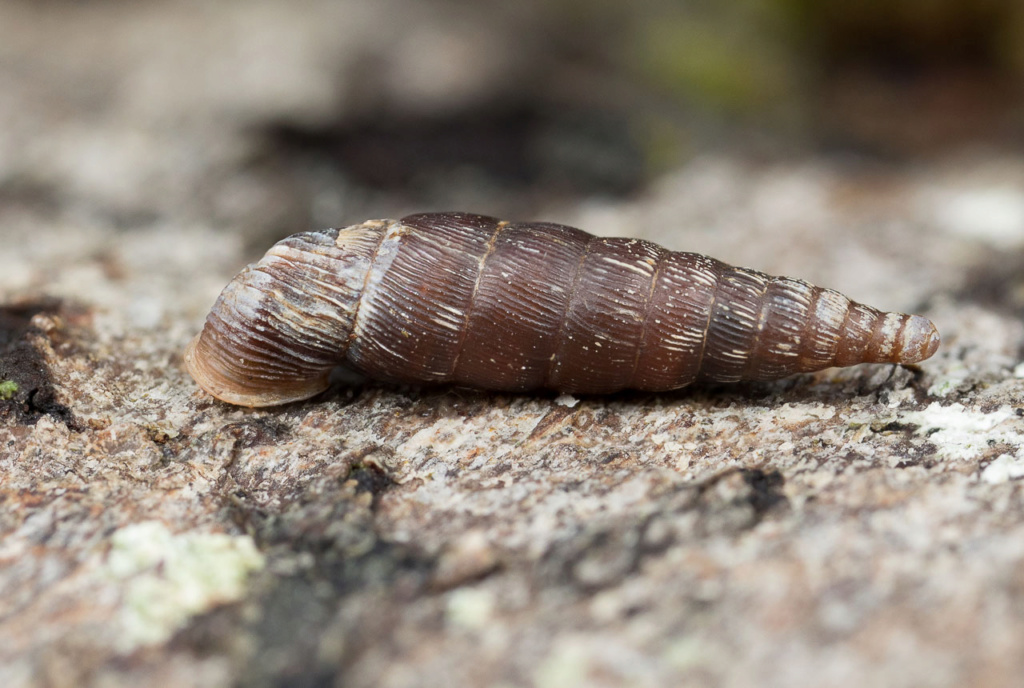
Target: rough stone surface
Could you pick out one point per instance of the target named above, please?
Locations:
(855, 527)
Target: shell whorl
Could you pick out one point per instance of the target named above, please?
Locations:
(472, 300)
(282, 324)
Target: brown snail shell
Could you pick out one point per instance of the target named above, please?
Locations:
(471, 300)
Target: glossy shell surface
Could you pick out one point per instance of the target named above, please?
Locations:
(471, 300)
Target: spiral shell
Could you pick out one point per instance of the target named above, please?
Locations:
(471, 300)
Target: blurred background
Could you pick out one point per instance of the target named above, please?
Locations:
(267, 117)
(300, 113)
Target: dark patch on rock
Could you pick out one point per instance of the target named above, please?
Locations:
(23, 365)
(337, 530)
(282, 645)
(371, 478)
(616, 458)
(256, 432)
(605, 554)
(595, 558)
(332, 520)
(212, 633)
(896, 427)
(293, 617)
(738, 499)
(16, 318)
(323, 549)
(766, 489)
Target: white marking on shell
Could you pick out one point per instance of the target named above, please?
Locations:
(641, 269)
(890, 328)
(452, 325)
(831, 309)
(386, 253)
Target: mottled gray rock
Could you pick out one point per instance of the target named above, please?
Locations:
(855, 527)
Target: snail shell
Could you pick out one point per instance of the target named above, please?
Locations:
(471, 300)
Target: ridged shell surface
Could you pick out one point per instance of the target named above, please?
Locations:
(471, 300)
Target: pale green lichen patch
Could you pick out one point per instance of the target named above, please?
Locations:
(568, 663)
(950, 381)
(167, 578)
(470, 608)
(962, 433)
(945, 386)
(8, 388)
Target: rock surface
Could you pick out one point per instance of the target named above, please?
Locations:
(855, 527)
